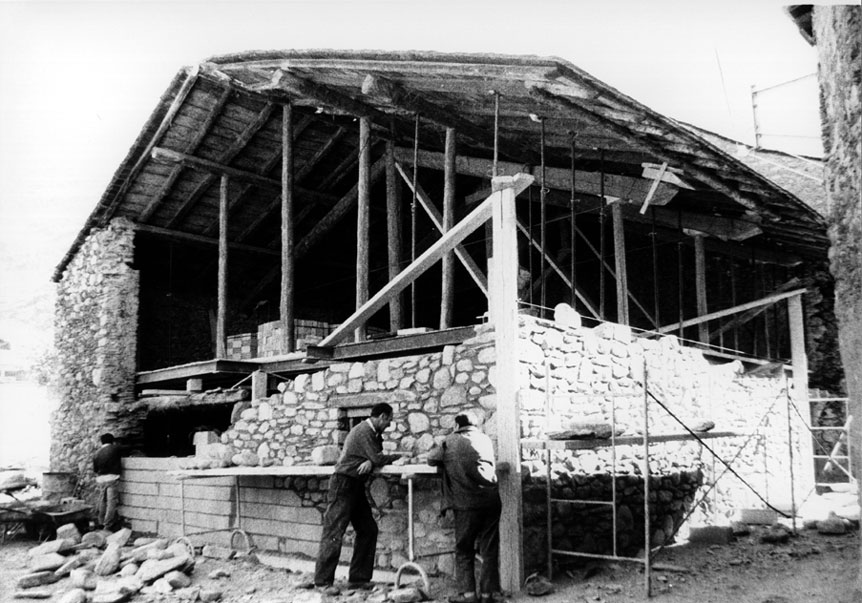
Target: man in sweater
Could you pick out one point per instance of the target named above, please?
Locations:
(470, 485)
(348, 502)
(107, 467)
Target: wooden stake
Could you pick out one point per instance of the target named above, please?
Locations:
(221, 314)
(447, 285)
(286, 315)
(363, 214)
(393, 234)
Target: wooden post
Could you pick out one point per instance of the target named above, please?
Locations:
(799, 361)
(393, 233)
(363, 212)
(503, 310)
(700, 287)
(221, 313)
(447, 293)
(288, 332)
(620, 263)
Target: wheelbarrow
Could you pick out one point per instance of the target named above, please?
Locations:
(39, 518)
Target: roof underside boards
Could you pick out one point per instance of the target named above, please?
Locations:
(227, 114)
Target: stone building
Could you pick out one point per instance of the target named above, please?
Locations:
(297, 235)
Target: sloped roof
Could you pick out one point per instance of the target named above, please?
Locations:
(227, 113)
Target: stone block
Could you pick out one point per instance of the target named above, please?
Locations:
(119, 538)
(70, 564)
(36, 579)
(764, 517)
(49, 562)
(325, 455)
(217, 552)
(109, 562)
(76, 595)
(83, 578)
(152, 569)
(97, 539)
(69, 532)
(711, 535)
(832, 525)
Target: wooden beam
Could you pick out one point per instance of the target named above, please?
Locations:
(624, 187)
(754, 312)
(363, 218)
(765, 301)
(215, 168)
(503, 311)
(221, 319)
(700, 287)
(447, 284)
(720, 227)
(449, 241)
(288, 286)
(393, 235)
(340, 209)
(436, 217)
(799, 360)
(296, 85)
(653, 187)
(620, 264)
(193, 238)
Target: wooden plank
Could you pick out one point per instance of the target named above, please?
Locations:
(799, 360)
(363, 220)
(393, 235)
(167, 155)
(449, 241)
(503, 310)
(193, 238)
(461, 252)
(765, 301)
(754, 312)
(532, 444)
(620, 264)
(658, 178)
(447, 285)
(287, 286)
(221, 318)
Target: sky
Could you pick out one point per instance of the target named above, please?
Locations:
(79, 79)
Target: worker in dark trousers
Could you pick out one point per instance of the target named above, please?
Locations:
(107, 467)
(470, 485)
(348, 502)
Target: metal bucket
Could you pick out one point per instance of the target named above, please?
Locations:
(58, 484)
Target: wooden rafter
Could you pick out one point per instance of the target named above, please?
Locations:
(414, 102)
(226, 157)
(639, 141)
(324, 150)
(295, 85)
(198, 137)
(200, 239)
(270, 164)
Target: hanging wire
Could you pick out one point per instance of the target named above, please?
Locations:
(655, 291)
(543, 215)
(679, 272)
(602, 235)
(413, 219)
(574, 228)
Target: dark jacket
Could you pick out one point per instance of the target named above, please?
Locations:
(106, 461)
(469, 470)
(363, 443)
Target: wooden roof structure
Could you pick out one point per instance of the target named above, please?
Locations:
(223, 116)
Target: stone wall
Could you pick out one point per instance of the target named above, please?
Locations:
(96, 319)
(578, 375)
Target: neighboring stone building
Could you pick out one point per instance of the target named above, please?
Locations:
(216, 283)
(837, 33)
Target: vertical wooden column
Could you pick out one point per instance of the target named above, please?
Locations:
(393, 234)
(799, 361)
(221, 313)
(700, 287)
(447, 293)
(363, 212)
(620, 263)
(503, 310)
(285, 307)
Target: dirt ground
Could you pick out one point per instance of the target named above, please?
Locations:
(809, 568)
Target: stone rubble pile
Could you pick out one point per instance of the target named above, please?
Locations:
(105, 567)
